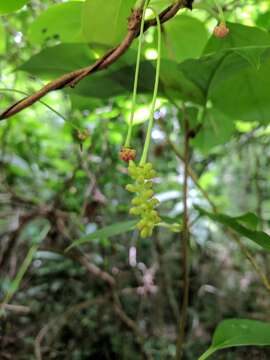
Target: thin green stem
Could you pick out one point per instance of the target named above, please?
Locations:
(41, 102)
(136, 78)
(154, 100)
(220, 12)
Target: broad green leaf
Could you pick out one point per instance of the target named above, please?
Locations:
(58, 60)
(216, 129)
(2, 39)
(175, 85)
(232, 85)
(263, 20)
(8, 6)
(108, 231)
(240, 37)
(238, 332)
(59, 22)
(249, 42)
(179, 33)
(241, 92)
(236, 223)
(108, 26)
(249, 219)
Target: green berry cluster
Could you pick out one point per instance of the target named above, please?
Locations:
(143, 203)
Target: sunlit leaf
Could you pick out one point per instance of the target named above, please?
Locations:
(239, 224)
(8, 6)
(107, 231)
(60, 22)
(108, 26)
(238, 332)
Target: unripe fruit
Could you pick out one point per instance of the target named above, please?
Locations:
(127, 154)
(83, 135)
(221, 30)
(131, 188)
(144, 203)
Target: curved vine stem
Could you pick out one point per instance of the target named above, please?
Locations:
(155, 93)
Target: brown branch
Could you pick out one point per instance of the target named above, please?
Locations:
(229, 232)
(96, 272)
(72, 78)
(185, 247)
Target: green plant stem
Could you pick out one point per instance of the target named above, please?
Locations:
(220, 12)
(155, 93)
(137, 71)
(185, 249)
(41, 102)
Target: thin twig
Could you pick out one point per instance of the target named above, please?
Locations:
(185, 248)
(229, 232)
(96, 272)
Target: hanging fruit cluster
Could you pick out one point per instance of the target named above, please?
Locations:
(144, 202)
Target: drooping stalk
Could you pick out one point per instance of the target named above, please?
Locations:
(137, 71)
(155, 93)
(185, 249)
(220, 12)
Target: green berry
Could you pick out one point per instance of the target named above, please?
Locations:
(131, 188)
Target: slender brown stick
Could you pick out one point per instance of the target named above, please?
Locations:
(185, 249)
(96, 272)
(72, 78)
(229, 232)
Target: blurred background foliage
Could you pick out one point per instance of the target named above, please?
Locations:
(117, 297)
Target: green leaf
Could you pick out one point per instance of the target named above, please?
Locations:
(2, 39)
(108, 231)
(238, 332)
(175, 85)
(160, 5)
(15, 284)
(57, 60)
(241, 92)
(59, 22)
(226, 73)
(249, 219)
(108, 26)
(231, 84)
(179, 33)
(247, 40)
(236, 223)
(8, 6)
(263, 20)
(216, 129)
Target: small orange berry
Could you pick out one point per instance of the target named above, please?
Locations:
(221, 31)
(127, 154)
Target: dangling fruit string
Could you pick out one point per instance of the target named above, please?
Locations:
(127, 153)
(221, 30)
(144, 201)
